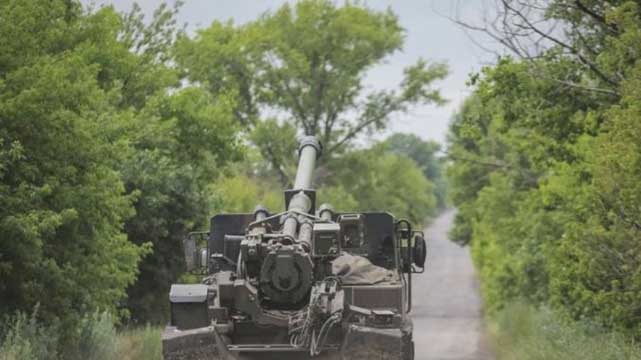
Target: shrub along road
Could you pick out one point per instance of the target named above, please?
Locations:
(447, 312)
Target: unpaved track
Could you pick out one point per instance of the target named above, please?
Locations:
(447, 310)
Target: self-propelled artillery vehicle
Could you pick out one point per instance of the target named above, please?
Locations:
(307, 282)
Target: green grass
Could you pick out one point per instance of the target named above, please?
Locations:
(140, 343)
(522, 332)
(23, 338)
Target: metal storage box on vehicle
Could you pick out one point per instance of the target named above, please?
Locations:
(188, 306)
(325, 239)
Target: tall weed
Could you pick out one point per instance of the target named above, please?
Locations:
(141, 343)
(522, 332)
(97, 338)
(23, 338)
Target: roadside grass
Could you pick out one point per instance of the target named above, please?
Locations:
(23, 338)
(522, 332)
(139, 343)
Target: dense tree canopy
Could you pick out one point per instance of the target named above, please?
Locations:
(424, 154)
(381, 181)
(302, 68)
(101, 165)
(63, 203)
(546, 166)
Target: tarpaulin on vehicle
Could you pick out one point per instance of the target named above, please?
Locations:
(358, 270)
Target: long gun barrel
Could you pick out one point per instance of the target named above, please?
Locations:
(309, 150)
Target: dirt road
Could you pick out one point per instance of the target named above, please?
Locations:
(447, 307)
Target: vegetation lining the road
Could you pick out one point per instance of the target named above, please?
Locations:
(523, 332)
(546, 170)
(121, 134)
(25, 338)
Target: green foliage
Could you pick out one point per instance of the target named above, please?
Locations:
(306, 63)
(339, 198)
(62, 203)
(103, 161)
(381, 181)
(546, 175)
(384, 177)
(175, 152)
(241, 194)
(599, 254)
(424, 154)
(23, 338)
(508, 142)
(97, 339)
(139, 344)
(277, 142)
(525, 333)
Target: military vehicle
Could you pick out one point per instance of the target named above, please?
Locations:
(306, 282)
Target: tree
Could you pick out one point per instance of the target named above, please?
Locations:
(62, 203)
(599, 254)
(178, 138)
(424, 154)
(381, 181)
(105, 160)
(178, 143)
(575, 30)
(303, 66)
(505, 144)
(546, 172)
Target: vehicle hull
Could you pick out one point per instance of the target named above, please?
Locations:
(359, 342)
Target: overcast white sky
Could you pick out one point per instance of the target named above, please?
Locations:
(429, 35)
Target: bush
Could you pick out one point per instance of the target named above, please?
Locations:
(97, 338)
(22, 338)
(382, 181)
(523, 332)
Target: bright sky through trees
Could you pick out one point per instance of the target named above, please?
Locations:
(430, 34)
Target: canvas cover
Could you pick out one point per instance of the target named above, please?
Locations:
(358, 270)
